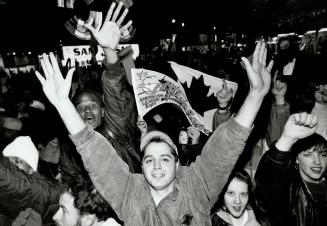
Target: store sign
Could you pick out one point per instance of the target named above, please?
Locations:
(82, 54)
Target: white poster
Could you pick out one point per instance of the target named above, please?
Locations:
(82, 53)
(213, 84)
(152, 89)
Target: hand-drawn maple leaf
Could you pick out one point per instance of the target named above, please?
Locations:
(197, 96)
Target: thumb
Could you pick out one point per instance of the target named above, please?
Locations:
(70, 76)
(90, 27)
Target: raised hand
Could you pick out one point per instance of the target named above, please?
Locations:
(224, 95)
(142, 126)
(321, 94)
(279, 88)
(54, 86)
(194, 134)
(258, 73)
(300, 125)
(260, 79)
(112, 30)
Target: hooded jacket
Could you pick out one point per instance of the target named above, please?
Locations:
(19, 191)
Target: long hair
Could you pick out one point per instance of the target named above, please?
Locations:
(240, 175)
(243, 176)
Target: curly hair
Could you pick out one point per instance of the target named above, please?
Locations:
(77, 96)
(89, 201)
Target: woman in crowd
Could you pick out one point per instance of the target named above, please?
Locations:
(236, 206)
(291, 186)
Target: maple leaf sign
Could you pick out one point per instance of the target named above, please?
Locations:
(152, 89)
(201, 90)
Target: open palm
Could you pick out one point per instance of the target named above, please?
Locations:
(258, 73)
(54, 86)
(111, 31)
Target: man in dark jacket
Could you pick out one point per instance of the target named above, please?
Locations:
(116, 120)
(115, 117)
(89, 106)
(19, 191)
(291, 185)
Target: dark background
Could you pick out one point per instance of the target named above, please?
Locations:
(39, 23)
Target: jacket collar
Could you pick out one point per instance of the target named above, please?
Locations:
(252, 221)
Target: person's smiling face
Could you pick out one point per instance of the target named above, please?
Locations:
(159, 166)
(312, 164)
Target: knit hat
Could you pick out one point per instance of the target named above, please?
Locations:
(12, 123)
(23, 147)
(155, 134)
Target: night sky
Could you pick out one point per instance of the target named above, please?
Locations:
(39, 23)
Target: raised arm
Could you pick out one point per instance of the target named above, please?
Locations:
(320, 109)
(224, 98)
(297, 127)
(120, 115)
(56, 89)
(109, 173)
(274, 174)
(260, 79)
(19, 191)
(223, 148)
(111, 31)
(119, 105)
(280, 111)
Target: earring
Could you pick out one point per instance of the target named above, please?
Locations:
(296, 165)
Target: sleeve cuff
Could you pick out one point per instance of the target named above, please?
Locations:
(115, 69)
(83, 136)
(320, 106)
(279, 156)
(239, 128)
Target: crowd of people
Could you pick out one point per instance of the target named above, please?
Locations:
(75, 152)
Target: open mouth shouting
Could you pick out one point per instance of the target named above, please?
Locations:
(90, 119)
(237, 208)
